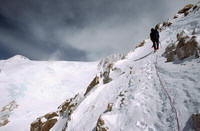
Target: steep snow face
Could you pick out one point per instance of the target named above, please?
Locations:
(147, 94)
(38, 87)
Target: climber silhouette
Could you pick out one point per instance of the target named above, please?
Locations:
(154, 35)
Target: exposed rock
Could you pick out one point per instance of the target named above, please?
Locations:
(105, 73)
(194, 7)
(100, 125)
(186, 8)
(10, 107)
(66, 109)
(170, 56)
(187, 46)
(186, 13)
(36, 125)
(122, 102)
(4, 120)
(176, 16)
(106, 65)
(46, 122)
(167, 23)
(196, 121)
(170, 47)
(49, 124)
(6, 110)
(141, 44)
(92, 84)
(106, 77)
(169, 52)
(121, 94)
(68, 106)
(109, 107)
(62, 108)
(50, 115)
(182, 36)
(158, 27)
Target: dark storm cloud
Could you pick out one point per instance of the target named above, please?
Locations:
(77, 29)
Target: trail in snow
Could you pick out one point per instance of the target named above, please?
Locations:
(144, 56)
(151, 61)
(169, 97)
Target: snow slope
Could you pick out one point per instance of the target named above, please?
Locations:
(147, 93)
(39, 87)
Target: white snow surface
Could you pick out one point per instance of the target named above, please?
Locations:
(141, 102)
(39, 87)
(144, 104)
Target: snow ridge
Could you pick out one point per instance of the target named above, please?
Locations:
(143, 92)
(140, 91)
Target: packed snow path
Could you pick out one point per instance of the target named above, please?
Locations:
(153, 84)
(169, 97)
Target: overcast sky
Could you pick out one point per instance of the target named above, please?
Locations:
(78, 29)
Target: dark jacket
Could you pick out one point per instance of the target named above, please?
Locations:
(154, 35)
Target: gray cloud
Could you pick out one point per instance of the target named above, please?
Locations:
(78, 29)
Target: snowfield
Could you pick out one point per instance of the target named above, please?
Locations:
(39, 87)
(139, 91)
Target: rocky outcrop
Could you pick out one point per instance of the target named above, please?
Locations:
(44, 123)
(109, 108)
(196, 121)
(167, 24)
(92, 84)
(186, 8)
(141, 44)
(36, 125)
(106, 65)
(101, 125)
(170, 52)
(6, 110)
(67, 107)
(49, 124)
(158, 26)
(185, 47)
(164, 25)
(50, 115)
(106, 75)
(176, 16)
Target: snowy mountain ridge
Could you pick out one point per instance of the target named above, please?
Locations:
(139, 91)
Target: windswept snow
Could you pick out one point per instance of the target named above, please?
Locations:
(147, 93)
(39, 87)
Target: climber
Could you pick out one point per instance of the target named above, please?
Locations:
(154, 35)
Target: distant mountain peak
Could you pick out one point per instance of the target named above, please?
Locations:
(19, 57)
